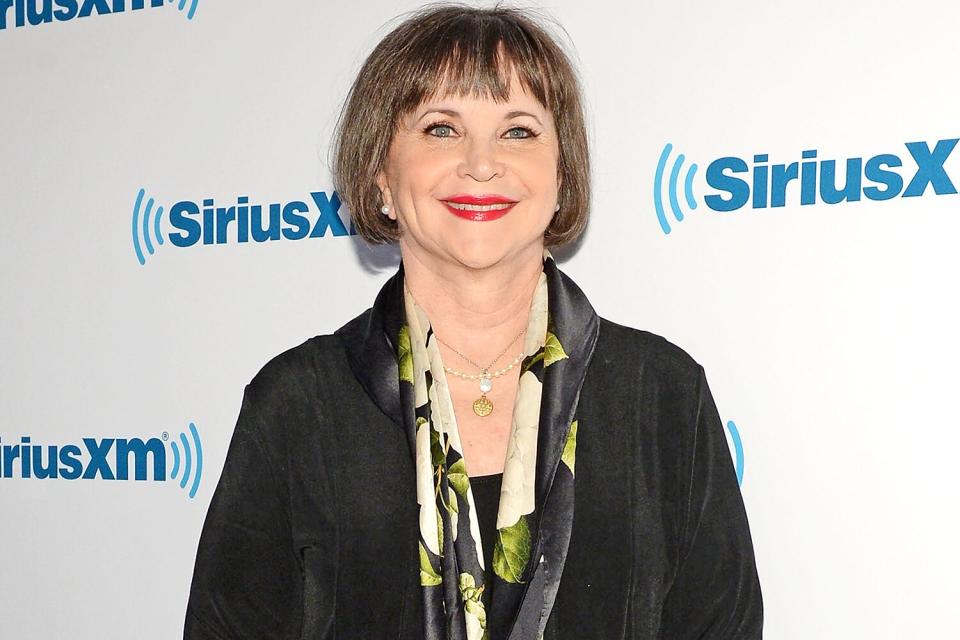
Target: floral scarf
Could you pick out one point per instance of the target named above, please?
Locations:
(385, 361)
(535, 511)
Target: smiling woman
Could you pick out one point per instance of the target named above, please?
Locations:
(479, 455)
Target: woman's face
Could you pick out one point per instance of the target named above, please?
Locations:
(452, 157)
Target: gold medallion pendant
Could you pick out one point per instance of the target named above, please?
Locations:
(483, 406)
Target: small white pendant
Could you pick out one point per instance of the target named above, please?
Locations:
(486, 384)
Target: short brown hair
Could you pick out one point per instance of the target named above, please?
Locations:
(467, 50)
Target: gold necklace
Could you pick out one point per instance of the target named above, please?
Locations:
(483, 406)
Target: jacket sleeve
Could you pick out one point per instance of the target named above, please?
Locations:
(247, 578)
(716, 591)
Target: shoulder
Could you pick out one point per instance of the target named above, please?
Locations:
(628, 350)
(303, 359)
(298, 372)
(287, 404)
(639, 373)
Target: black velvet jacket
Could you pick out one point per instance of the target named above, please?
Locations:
(312, 530)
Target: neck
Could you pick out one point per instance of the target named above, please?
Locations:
(479, 312)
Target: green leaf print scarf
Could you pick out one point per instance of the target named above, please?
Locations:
(535, 512)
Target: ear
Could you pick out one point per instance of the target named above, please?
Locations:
(385, 194)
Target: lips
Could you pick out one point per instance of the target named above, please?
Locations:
(479, 208)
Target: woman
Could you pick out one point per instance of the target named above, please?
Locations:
(478, 455)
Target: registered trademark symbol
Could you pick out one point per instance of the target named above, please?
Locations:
(165, 436)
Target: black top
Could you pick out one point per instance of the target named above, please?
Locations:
(312, 531)
(486, 495)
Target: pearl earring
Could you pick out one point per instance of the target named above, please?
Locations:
(385, 209)
(557, 208)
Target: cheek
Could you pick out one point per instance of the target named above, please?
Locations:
(542, 164)
(419, 174)
(543, 174)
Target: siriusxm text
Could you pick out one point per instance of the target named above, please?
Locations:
(92, 458)
(245, 222)
(880, 177)
(37, 12)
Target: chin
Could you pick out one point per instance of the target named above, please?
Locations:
(483, 251)
(480, 245)
(478, 255)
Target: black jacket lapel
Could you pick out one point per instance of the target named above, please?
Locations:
(370, 343)
(576, 326)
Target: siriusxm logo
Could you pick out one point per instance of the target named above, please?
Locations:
(207, 223)
(760, 184)
(37, 12)
(108, 459)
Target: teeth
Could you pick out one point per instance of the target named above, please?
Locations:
(479, 207)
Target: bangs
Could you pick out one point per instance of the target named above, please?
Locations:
(476, 56)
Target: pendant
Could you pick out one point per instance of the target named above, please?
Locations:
(483, 406)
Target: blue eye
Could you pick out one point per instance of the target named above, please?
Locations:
(526, 133)
(445, 129)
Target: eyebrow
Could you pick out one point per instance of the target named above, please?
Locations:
(456, 114)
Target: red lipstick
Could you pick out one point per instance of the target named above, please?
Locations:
(494, 206)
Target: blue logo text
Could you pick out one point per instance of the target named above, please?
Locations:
(107, 459)
(207, 223)
(37, 12)
(759, 184)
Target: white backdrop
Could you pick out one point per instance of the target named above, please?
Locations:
(828, 332)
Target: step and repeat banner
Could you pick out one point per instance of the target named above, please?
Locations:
(775, 191)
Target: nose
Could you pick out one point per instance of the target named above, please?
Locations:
(480, 161)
